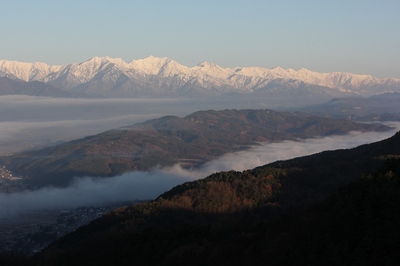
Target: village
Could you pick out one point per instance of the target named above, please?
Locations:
(31, 232)
(10, 183)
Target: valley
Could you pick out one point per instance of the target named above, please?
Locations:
(157, 133)
(194, 140)
(34, 230)
(206, 220)
(71, 148)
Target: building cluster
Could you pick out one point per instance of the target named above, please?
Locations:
(10, 183)
(31, 233)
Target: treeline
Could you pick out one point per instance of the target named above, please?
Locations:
(274, 215)
(358, 225)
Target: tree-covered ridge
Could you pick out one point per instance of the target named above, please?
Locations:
(234, 218)
(357, 225)
(210, 206)
(190, 141)
(227, 192)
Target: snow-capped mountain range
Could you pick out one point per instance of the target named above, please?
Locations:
(155, 77)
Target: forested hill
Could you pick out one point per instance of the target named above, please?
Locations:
(234, 218)
(190, 141)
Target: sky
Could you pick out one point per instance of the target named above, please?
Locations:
(358, 36)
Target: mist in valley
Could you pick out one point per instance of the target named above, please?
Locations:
(148, 185)
(28, 122)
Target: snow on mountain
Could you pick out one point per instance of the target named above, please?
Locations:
(157, 66)
(26, 71)
(113, 77)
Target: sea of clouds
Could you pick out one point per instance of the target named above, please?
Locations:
(148, 185)
(28, 122)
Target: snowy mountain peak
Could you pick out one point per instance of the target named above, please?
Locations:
(97, 61)
(213, 70)
(206, 64)
(152, 65)
(104, 76)
(151, 61)
(26, 71)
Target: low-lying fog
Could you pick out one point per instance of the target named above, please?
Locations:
(148, 185)
(29, 122)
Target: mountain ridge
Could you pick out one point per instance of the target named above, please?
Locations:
(191, 140)
(235, 218)
(168, 76)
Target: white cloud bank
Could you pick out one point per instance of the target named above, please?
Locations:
(29, 121)
(148, 185)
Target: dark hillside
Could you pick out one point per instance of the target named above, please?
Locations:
(234, 218)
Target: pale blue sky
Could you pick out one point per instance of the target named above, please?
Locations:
(353, 36)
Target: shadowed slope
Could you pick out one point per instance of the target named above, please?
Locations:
(229, 217)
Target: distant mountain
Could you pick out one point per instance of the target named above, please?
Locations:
(234, 218)
(34, 88)
(159, 77)
(384, 107)
(190, 141)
